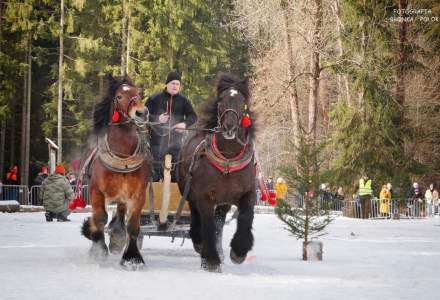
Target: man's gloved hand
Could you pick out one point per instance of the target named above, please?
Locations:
(163, 118)
(179, 127)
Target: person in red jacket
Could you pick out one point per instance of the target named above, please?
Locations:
(11, 178)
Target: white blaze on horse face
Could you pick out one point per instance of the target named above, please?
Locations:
(125, 88)
(233, 92)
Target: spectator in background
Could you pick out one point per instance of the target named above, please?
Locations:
(431, 196)
(72, 179)
(56, 193)
(11, 178)
(281, 188)
(326, 196)
(390, 189)
(339, 195)
(338, 198)
(269, 183)
(365, 191)
(41, 176)
(385, 201)
(416, 199)
(435, 200)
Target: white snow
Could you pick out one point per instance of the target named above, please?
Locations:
(363, 259)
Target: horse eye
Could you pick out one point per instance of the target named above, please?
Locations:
(119, 97)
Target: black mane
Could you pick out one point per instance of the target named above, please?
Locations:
(209, 108)
(102, 108)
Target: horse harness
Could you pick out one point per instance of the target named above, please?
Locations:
(120, 164)
(208, 147)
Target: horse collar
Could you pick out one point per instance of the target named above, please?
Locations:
(116, 163)
(223, 164)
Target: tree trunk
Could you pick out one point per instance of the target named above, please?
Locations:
(291, 88)
(124, 39)
(60, 88)
(363, 51)
(23, 117)
(342, 79)
(306, 228)
(12, 139)
(101, 87)
(3, 122)
(28, 114)
(400, 82)
(315, 70)
(2, 147)
(128, 37)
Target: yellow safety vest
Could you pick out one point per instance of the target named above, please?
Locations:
(365, 188)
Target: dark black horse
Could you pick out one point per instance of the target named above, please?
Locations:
(223, 174)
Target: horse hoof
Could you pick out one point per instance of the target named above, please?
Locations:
(116, 245)
(99, 251)
(197, 248)
(133, 264)
(132, 260)
(236, 259)
(115, 248)
(210, 267)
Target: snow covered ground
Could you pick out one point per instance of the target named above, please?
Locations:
(384, 259)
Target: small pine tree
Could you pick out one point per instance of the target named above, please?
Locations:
(307, 222)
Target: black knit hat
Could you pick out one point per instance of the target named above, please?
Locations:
(173, 75)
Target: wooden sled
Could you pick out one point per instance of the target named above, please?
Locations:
(160, 220)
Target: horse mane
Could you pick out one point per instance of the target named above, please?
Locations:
(209, 109)
(102, 108)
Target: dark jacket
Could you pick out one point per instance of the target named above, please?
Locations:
(181, 111)
(416, 193)
(40, 178)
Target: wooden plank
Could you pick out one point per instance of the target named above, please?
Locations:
(174, 199)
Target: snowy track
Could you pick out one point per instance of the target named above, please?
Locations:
(382, 259)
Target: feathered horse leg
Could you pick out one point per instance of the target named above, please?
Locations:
(93, 227)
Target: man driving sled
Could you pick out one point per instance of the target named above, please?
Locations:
(173, 112)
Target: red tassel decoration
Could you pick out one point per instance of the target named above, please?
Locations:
(80, 202)
(72, 205)
(115, 117)
(77, 202)
(245, 121)
(272, 199)
(263, 196)
(272, 202)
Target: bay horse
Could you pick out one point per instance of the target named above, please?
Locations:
(221, 173)
(119, 171)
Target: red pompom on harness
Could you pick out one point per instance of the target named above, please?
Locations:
(78, 200)
(115, 116)
(246, 119)
(245, 122)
